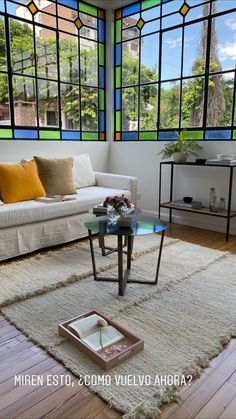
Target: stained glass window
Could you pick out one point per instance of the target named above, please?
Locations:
(175, 69)
(52, 78)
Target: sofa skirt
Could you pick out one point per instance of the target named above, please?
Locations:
(19, 240)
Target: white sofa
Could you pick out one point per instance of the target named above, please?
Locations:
(30, 225)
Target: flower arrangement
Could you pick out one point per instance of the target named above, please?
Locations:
(119, 203)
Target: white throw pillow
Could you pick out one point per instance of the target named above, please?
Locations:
(83, 173)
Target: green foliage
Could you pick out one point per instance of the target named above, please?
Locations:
(182, 145)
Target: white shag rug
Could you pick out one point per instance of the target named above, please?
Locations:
(185, 321)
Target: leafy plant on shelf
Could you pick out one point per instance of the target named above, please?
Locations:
(117, 202)
(182, 145)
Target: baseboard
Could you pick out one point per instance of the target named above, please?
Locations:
(199, 221)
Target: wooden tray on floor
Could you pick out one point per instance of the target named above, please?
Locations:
(106, 361)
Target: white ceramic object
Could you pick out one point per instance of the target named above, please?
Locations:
(225, 156)
(180, 157)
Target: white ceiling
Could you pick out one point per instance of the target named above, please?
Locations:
(111, 4)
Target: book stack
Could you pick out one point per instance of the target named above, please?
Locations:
(225, 162)
(103, 210)
(181, 203)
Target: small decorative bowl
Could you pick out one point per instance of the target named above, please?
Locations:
(187, 199)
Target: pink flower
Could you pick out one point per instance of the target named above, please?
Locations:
(101, 323)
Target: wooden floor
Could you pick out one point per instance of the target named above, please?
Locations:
(211, 396)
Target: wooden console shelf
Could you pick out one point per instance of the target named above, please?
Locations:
(227, 214)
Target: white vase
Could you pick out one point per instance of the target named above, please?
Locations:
(180, 157)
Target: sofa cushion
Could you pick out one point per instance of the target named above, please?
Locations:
(33, 211)
(56, 175)
(20, 182)
(83, 173)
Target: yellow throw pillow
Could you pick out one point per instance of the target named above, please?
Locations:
(20, 182)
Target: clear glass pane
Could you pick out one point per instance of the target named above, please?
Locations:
(88, 33)
(19, 10)
(130, 21)
(169, 115)
(172, 20)
(195, 49)
(4, 101)
(89, 62)
(88, 20)
(149, 62)
(223, 44)
(148, 107)
(130, 33)
(89, 108)
(48, 103)
(46, 50)
(171, 54)
(25, 110)
(47, 6)
(171, 7)
(67, 13)
(3, 57)
(150, 14)
(47, 20)
(22, 47)
(65, 25)
(70, 107)
(220, 99)
(130, 109)
(150, 27)
(69, 58)
(130, 60)
(197, 12)
(192, 102)
(222, 5)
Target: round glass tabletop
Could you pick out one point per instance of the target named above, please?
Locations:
(140, 225)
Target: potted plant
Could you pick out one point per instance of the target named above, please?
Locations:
(181, 149)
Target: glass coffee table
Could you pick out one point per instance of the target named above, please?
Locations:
(141, 225)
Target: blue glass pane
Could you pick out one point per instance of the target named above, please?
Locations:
(101, 121)
(69, 3)
(24, 134)
(101, 30)
(130, 10)
(118, 99)
(130, 136)
(71, 135)
(218, 135)
(118, 54)
(101, 76)
(165, 1)
(168, 135)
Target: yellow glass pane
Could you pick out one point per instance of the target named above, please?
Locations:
(184, 9)
(32, 8)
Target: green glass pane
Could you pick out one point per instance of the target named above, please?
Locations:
(101, 100)
(150, 3)
(5, 133)
(118, 30)
(195, 135)
(118, 120)
(86, 8)
(89, 136)
(49, 135)
(101, 54)
(234, 135)
(118, 75)
(148, 135)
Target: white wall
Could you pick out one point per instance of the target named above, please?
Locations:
(141, 159)
(13, 150)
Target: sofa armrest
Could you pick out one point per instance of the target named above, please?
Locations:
(128, 183)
